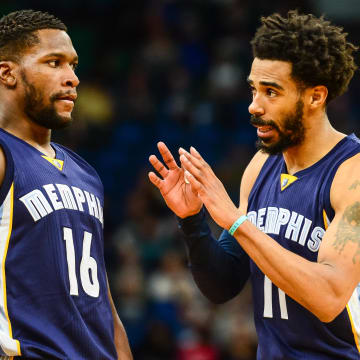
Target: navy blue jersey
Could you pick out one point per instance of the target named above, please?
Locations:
(53, 288)
(295, 211)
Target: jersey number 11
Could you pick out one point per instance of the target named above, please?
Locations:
(268, 307)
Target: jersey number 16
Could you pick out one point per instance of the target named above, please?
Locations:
(87, 265)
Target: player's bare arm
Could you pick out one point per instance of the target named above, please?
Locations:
(323, 287)
(348, 227)
(2, 165)
(341, 243)
(120, 338)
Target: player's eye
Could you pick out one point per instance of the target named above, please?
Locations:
(54, 63)
(252, 90)
(271, 92)
(74, 66)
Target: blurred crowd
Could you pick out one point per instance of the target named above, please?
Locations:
(175, 71)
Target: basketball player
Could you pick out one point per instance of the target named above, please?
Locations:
(296, 233)
(54, 298)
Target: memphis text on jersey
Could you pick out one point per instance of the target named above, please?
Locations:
(53, 197)
(273, 220)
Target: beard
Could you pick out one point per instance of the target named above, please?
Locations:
(292, 134)
(43, 115)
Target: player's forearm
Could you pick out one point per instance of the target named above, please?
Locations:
(120, 337)
(314, 285)
(220, 268)
(121, 340)
(219, 276)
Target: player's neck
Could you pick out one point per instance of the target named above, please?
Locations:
(320, 138)
(25, 129)
(14, 120)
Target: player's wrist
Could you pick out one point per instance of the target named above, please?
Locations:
(236, 224)
(190, 213)
(192, 225)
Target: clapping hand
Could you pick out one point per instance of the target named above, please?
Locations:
(177, 193)
(209, 188)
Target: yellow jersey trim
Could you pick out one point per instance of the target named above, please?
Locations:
(326, 220)
(59, 164)
(286, 180)
(353, 328)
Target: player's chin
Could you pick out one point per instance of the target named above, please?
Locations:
(268, 147)
(268, 140)
(63, 120)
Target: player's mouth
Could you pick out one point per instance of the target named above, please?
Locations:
(67, 98)
(265, 128)
(265, 131)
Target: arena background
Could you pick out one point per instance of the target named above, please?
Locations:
(171, 70)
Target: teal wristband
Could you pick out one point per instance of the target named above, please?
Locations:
(236, 224)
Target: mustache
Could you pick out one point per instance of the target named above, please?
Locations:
(258, 121)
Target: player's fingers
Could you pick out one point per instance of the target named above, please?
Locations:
(155, 180)
(195, 184)
(167, 156)
(186, 173)
(187, 181)
(190, 167)
(158, 166)
(199, 163)
(195, 153)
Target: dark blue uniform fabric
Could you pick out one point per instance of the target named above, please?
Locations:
(56, 288)
(295, 214)
(297, 217)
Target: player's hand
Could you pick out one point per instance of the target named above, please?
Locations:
(178, 194)
(209, 188)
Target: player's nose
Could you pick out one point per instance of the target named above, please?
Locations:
(70, 79)
(256, 108)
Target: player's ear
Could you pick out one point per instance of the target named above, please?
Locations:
(7, 74)
(318, 96)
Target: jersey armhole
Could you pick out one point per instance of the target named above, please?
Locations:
(9, 172)
(328, 209)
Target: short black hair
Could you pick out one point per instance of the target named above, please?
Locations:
(18, 31)
(318, 51)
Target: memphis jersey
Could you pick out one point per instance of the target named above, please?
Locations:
(53, 287)
(295, 210)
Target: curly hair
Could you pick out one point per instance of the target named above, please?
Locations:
(18, 31)
(317, 50)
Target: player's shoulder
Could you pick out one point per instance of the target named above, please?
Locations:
(347, 171)
(249, 177)
(345, 187)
